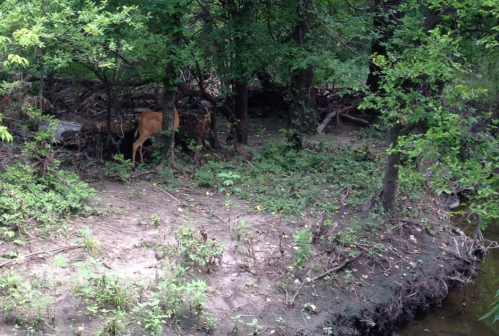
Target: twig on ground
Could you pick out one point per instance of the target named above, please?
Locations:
(22, 258)
(166, 192)
(337, 268)
(329, 271)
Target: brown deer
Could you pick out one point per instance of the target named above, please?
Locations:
(149, 123)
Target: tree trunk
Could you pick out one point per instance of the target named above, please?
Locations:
(302, 100)
(241, 111)
(302, 91)
(390, 184)
(207, 30)
(109, 92)
(240, 13)
(167, 133)
(390, 180)
(169, 87)
(380, 25)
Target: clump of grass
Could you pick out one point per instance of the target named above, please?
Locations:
(322, 177)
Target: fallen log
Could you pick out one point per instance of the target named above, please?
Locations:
(333, 114)
(362, 121)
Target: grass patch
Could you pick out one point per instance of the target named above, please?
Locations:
(322, 177)
(32, 203)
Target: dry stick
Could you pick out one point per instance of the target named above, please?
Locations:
(335, 268)
(291, 303)
(332, 114)
(166, 192)
(362, 121)
(143, 173)
(57, 250)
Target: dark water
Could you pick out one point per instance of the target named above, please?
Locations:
(453, 318)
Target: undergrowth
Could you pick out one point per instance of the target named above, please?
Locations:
(322, 177)
(35, 195)
(27, 200)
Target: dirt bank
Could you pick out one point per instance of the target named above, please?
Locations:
(347, 272)
(405, 269)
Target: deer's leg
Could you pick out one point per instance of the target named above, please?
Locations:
(136, 145)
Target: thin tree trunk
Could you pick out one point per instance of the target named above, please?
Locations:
(302, 91)
(207, 30)
(109, 92)
(241, 111)
(167, 134)
(240, 13)
(380, 25)
(390, 181)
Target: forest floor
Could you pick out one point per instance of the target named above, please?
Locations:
(355, 273)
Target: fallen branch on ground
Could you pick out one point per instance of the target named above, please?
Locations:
(329, 271)
(333, 114)
(22, 258)
(362, 121)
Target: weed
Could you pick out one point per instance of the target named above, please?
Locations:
(120, 166)
(105, 292)
(115, 325)
(24, 300)
(237, 321)
(203, 177)
(282, 324)
(90, 244)
(154, 318)
(27, 200)
(210, 322)
(254, 324)
(198, 250)
(302, 240)
(155, 219)
(285, 181)
(327, 330)
(348, 277)
(228, 179)
(171, 297)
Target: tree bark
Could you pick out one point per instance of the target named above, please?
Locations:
(240, 13)
(390, 179)
(378, 47)
(390, 184)
(167, 133)
(109, 113)
(302, 92)
(241, 111)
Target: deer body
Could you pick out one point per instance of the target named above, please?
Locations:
(149, 123)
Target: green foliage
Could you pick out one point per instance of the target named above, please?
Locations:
(117, 300)
(105, 292)
(171, 297)
(242, 231)
(228, 179)
(118, 324)
(495, 309)
(303, 241)
(90, 244)
(425, 82)
(26, 199)
(203, 177)
(4, 133)
(325, 176)
(196, 250)
(25, 300)
(120, 165)
(155, 219)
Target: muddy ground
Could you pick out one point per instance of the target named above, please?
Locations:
(368, 294)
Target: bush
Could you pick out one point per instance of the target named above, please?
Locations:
(26, 199)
